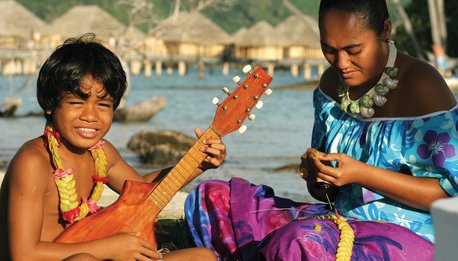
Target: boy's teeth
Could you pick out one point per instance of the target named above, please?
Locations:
(86, 129)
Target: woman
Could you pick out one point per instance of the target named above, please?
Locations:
(386, 128)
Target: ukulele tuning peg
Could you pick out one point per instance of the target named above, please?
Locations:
(215, 101)
(242, 129)
(268, 92)
(236, 79)
(247, 69)
(259, 104)
(226, 91)
(251, 117)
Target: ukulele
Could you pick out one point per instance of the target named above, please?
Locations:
(140, 203)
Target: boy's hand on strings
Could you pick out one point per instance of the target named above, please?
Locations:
(214, 149)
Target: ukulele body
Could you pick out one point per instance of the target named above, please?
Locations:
(131, 212)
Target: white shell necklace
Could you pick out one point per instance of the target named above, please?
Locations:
(364, 106)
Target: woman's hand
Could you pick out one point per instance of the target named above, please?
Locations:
(307, 169)
(215, 152)
(346, 169)
(310, 172)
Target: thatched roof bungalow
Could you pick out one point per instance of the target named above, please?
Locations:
(295, 38)
(301, 38)
(18, 26)
(259, 42)
(19, 33)
(191, 35)
(90, 19)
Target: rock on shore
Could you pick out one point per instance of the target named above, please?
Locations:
(160, 147)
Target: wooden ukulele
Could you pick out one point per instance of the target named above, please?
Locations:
(140, 203)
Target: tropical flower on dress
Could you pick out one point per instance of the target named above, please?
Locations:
(436, 145)
(402, 220)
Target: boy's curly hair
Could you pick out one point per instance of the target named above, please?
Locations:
(75, 59)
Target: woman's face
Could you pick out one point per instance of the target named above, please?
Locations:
(356, 52)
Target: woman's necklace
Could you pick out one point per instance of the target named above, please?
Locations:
(364, 106)
(68, 198)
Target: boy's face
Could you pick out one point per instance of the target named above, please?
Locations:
(83, 122)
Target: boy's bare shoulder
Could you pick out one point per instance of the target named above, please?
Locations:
(33, 150)
(112, 152)
(30, 162)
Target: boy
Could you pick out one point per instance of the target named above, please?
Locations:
(50, 182)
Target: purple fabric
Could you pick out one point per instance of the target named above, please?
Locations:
(241, 221)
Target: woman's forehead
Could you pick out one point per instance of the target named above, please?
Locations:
(340, 28)
(343, 20)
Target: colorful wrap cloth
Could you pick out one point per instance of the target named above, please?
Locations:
(241, 221)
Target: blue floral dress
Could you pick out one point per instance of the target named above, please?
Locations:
(423, 146)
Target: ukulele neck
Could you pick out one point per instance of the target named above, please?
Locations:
(183, 172)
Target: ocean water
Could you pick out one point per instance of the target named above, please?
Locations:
(277, 137)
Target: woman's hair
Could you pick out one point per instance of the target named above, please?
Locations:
(75, 59)
(373, 12)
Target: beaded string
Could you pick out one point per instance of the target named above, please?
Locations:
(68, 198)
(346, 239)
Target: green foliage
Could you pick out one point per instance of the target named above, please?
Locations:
(242, 14)
(451, 14)
(419, 16)
(48, 10)
(246, 13)
(309, 7)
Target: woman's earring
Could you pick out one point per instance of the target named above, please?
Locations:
(388, 40)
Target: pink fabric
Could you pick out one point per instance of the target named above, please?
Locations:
(241, 221)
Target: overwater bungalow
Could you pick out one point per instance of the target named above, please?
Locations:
(293, 43)
(260, 43)
(301, 36)
(301, 41)
(188, 38)
(90, 18)
(19, 34)
(82, 19)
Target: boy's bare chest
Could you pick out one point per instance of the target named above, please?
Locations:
(52, 221)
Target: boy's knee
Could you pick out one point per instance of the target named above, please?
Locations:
(204, 254)
(81, 257)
